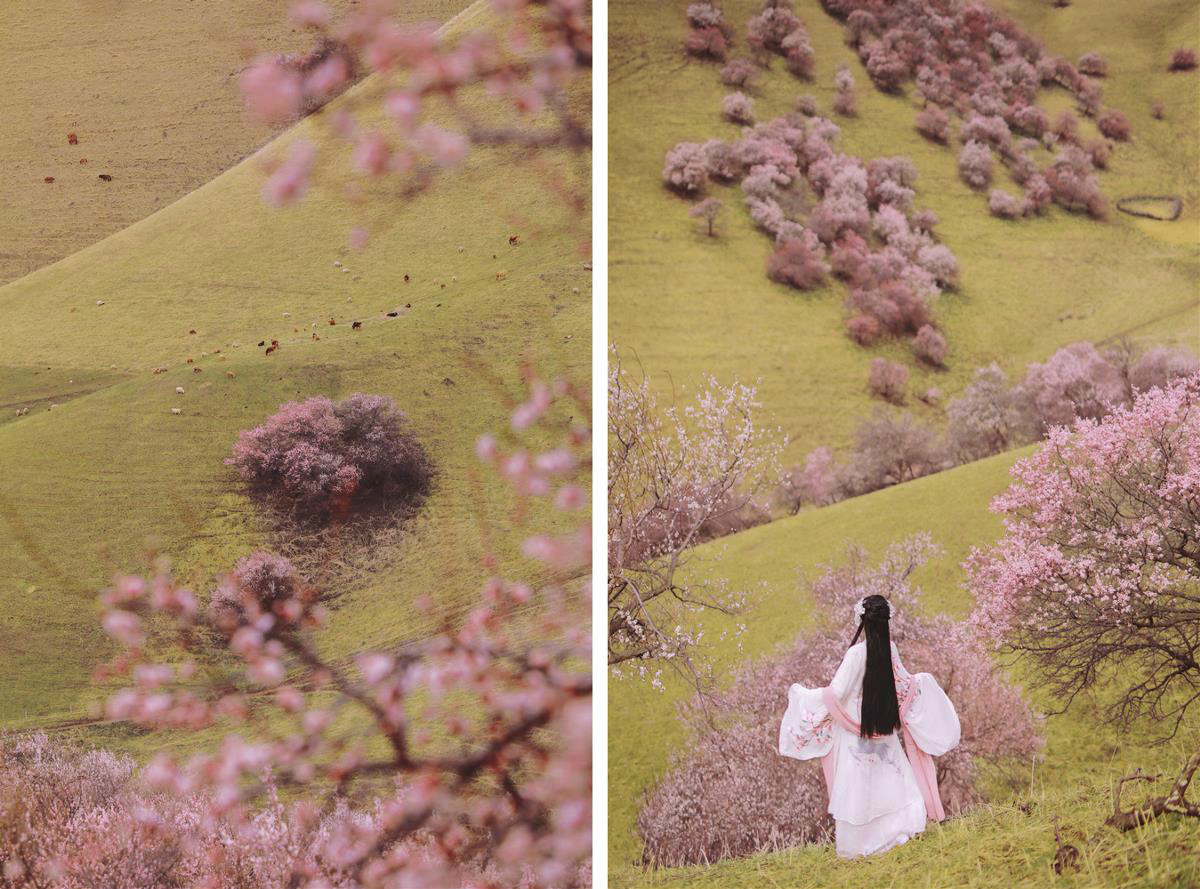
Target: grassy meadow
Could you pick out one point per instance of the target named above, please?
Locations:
(684, 305)
(100, 465)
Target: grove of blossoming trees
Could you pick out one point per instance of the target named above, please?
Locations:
(463, 759)
(730, 794)
(863, 227)
(991, 415)
(969, 60)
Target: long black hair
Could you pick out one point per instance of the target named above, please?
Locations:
(880, 709)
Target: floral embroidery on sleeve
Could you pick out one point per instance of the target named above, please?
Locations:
(810, 730)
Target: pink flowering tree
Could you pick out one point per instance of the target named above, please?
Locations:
(676, 477)
(462, 759)
(730, 794)
(1096, 580)
(409, 122)
(319, 460)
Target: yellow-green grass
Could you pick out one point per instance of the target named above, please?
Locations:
(85, 484)
(996, 845)
(152, 95)
(686, 305)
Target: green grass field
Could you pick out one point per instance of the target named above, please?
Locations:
(685, 305)
(87, 481)
(153, 100)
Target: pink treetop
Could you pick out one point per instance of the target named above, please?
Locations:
(1099, 561)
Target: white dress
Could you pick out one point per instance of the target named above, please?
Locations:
(875, 797)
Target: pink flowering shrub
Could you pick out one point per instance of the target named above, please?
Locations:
(987, 418)
(729, 793)
(930, 346)
(1077, 381)
(864, 329)
(845, 101)
(975, 165)
(887, 380)
(1095, 578)
(1073, 184)
(1115, 125)
(686, 168)
(707, 43)
(1093, 65)
(1182, 59)
(739, 73)
(814, 482)
(1003, 205)
(798, 264)
(321, 459)
(738, 108)
(414, 781)
(705, 15)
(527, 65)
(933, 123)
(891, 448)
(1160, 366)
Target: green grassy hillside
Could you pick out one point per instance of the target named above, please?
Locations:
(153, 99)
(996, 845)
(85, 482)
(687, 305)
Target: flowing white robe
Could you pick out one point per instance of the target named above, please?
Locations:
(876, 796)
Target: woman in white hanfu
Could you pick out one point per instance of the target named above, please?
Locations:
(879, 793)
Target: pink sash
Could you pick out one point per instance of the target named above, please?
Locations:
(921, 762)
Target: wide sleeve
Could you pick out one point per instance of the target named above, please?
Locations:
(930, 717)
(807, 728)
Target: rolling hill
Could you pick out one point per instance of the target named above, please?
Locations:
(100, 463)
(684, 306)
(687, 305)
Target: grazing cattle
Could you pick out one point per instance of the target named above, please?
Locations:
(408, 305)
(106, 177)
(83, 160)
(230, 374)
(332, 322)
(500, 276)
(315, 337)
(179, 390)
(160, 370)
(514, 240)
(197, 370)
(48, 179)
(192, 332)
(176, 410)
(393, 314)
(271, 349)
(406, 279)
(72, 139)
(99, 302)
(356, 325)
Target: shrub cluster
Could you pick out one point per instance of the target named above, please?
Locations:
(710, 35)
(322, 459)
(992, 415)
(1182, 60)
(730, 794)
(777, 29)
(970, 60)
